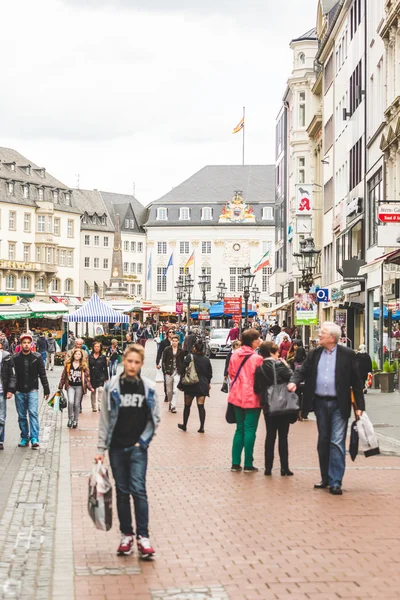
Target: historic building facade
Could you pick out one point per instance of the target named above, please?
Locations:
(222, 218)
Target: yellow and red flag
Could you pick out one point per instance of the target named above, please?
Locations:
(190, 261)
(239, 126)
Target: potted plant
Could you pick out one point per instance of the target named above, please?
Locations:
(386, 378)
(375, 375)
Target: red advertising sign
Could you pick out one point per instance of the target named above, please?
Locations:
(179, 308)
(389, 212)
(233, 306)
(204, 316)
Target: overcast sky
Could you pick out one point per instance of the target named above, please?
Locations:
(144, 91)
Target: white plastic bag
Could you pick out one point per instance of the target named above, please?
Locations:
(368, 442)
(100, 497)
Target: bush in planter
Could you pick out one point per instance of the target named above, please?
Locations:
(386, 378)
(375, 366)
(375, 375)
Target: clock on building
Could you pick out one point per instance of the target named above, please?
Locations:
(236, 247)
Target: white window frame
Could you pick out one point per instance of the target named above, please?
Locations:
(133, 268)
(11, 278)
(184, 213)
(266, 273)
(87, 240)
(126, 246)
(12, 220)
(27, 253)
(26, 192)
(96, 240)
(87, 262)
(106, 241)
(25, 279)
(161, 247)
(268, 213)
(70, 228)
(105, 263)
(70, 258)
(55, 285)
(12, 247)
(184, 247)
(140, 247)
(41, 193)
(206, 247)
(162, 213)
(56, 226)
(133, 246)
(27, 222)
(161, 280)
(206, 213)
(126, 268)
(139, 268)
(40, 284)
(96, 262)
(69, 286)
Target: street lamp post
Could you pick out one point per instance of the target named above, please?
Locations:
(185, 284)
(179, 297)
(247, 278)
(221, 287)
(307, 259)
(204, 284)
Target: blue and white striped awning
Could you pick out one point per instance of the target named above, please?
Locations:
(96, 311)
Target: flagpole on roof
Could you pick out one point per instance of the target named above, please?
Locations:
(243, 129)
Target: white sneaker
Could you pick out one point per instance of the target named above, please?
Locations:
(145, 548)
(126, 546)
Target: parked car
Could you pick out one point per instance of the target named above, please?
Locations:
(218, 345)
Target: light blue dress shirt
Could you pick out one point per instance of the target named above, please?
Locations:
(326, 370)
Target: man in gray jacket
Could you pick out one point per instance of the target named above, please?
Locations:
(130, 414)
(51, 352)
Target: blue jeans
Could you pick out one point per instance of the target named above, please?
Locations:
(332, 429)
(44, 356)
(113, 366)
(129, 466)
(3, 414)
(28, 403)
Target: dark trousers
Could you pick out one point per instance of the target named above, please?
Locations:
(129, 466)
(332, 429)
(277, 425)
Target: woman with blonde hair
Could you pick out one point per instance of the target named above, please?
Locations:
(75, 379)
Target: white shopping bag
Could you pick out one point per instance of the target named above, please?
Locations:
(368, 442)
(159, 376)
(100, 497)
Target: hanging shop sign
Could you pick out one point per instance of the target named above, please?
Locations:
(233, 306)
(337, 295)
(354, 207)
(322, 295)
(306, 309)
(8, 299)
(304, 199)
(204, 312)
(179, 308)
(389, 212)
(351, 269)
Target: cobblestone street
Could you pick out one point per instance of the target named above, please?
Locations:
(218, 535)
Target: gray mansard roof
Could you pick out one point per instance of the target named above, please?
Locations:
(128, 207)
(93, 208)
(214, 186)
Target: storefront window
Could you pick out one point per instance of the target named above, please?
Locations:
(374, 344)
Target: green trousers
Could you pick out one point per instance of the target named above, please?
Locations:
(245, 435)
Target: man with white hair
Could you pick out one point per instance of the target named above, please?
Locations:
(330, 373)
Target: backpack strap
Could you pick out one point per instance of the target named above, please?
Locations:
(246, 358)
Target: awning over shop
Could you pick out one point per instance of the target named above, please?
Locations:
(378, 262)
(277, 307)
(96, 311)
(16, 311)
(47, 310)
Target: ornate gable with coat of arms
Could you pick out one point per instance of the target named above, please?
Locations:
(237, 211)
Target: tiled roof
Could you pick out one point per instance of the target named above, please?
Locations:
(122, 204)
(91, 202)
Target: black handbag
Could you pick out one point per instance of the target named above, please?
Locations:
(230, 416)
(280, 400)
(225, 386)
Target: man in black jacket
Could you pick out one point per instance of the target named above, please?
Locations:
(161, 347)
(330, 373)
(29, 367)
(7, 388)
(172, 366)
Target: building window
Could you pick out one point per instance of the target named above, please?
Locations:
(302, 58)
(184, 248)
(206, 247)
(355, 17)
(139, 268)
(70, 228)
(96, 263)
(329, 134)
(268, 213)
(87, 240)
(97, 240)
(328, 264)
(87, 262)
(355, 165)
(126, 223)
(56, 226)
(10, 282)
(103, 220)
(133, 268)
(161, 247)
(69, 286)
(86, 289)
(184, 214)
(67, 198)
(105, 263)
(162, 214)
(40, 193)
(48, 256)
(11, 188)
(140, 289)
(126, 268)
(38, 254)
(207, 271)
(55, 285)
(25, 283)
(12, 220)
(49, 224)
(133, 246)
(235, 283)
(27, 253)
(266, 274)
(140, 247)
(55, 196)
(27, 222)
(375, 195)
(69, 258)
(133, 289)
(301, 165)
(63, 254)
(355, 88)
(26, 192)
(40, 284)
(206, 213)
(302, 109)
(126, 246)
(132, 223)
(105, 242)
(161, 280)
(328, 73)
(11, 251)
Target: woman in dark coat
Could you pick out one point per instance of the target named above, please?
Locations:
(264, 378)
(199, 390)
(364, 364)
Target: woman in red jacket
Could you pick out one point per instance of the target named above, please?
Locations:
(247, 405)
(284, 347)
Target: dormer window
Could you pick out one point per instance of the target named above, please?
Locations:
(206, 213)
(184, 213)
(68, 198)
(55, 196)
(26, 169)
(10, 165)
(41, 172)
(26, 191)
(10, 188)
(162, 214)
(267, 213)
(41, 193)
(126, 223)
(103, 220)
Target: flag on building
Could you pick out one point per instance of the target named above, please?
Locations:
(149, 268)
(190, 261)
(170, 263)
(264, 262)
(239, 126)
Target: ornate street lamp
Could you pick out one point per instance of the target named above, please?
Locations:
(180, 294)
(307, 259)
(221, 287)
(185, 284)
(256, 293)
(247, 279)
(204, 285)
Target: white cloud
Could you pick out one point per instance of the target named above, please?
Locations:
(144, 95)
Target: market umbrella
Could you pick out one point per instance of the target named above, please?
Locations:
(96, 311)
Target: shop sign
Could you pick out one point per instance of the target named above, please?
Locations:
(306, 309)
(353, 289)
(351, 269)
(179, 308)
(322, 295)
(18, 266)
(304, 200)
(204, 313)
(389, 212)
(337, 295)
(233, 306)
(340, 318)
(8, 299)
